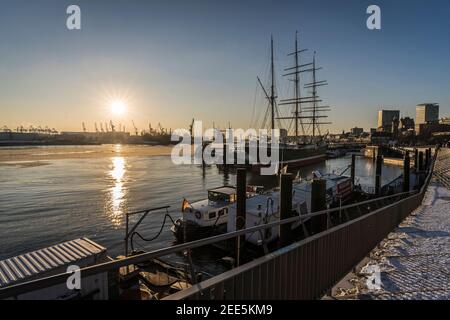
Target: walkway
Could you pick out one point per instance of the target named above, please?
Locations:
(413, 262)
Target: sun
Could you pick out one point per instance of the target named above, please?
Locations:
(118, 107)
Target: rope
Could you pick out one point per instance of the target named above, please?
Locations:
(155, 237)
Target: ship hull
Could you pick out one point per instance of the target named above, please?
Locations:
(186, 232)
(297, 157)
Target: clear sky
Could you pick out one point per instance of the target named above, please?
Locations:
(170, 61)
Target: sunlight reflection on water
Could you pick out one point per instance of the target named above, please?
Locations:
(116, 201)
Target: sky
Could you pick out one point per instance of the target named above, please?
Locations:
(170, 61)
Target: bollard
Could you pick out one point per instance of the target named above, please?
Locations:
(352, 172)
(406, 167)
(241, 194)
(420, 160)
(285, 207)
(318, 203)
(378, 173)
(416, 159)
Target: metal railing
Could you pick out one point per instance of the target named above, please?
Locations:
(318, 250)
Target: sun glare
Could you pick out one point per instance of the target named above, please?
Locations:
(118, 107)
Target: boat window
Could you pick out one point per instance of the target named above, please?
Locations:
(221, 212)
(218, 197)
(212, 215)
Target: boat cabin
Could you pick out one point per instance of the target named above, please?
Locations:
(224, 194)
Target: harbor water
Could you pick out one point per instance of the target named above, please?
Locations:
(54, 194)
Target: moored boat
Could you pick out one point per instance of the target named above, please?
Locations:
(206, 217)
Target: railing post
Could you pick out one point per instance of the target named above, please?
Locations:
(421, 161)
(378, 172)
(318, 203)
(416, 159)
(352, 172)
(126, 234)
(427, 158)
(285, 207)
(406, 167)
(241, 194)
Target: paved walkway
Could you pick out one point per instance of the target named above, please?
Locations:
(413, 262)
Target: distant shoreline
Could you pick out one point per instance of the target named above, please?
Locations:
(41, 143)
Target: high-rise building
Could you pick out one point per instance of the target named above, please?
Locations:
(426, 113)
(356, 131)
(385, 119)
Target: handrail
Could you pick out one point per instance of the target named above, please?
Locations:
(20, 288)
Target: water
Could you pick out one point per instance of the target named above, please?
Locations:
(54, 194)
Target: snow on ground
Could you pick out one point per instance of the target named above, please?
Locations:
(413, 261)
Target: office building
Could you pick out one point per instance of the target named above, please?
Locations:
(385, 119)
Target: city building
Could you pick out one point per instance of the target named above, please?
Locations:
(356, 131)
(406, 124)
(385, 119)
(426, 113)
(444, 120)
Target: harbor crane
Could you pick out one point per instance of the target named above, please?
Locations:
(96, 128)
(113, 127)
(84, 127)
(135, 129)
(191, 127)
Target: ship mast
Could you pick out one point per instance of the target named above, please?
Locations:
(272, 88)
(297, 85)
(297, 100)
(315, 109)
(272, 96)
(311, 113)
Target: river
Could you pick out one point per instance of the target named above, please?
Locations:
(53, 194)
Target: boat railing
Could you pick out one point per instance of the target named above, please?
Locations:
(349, 212)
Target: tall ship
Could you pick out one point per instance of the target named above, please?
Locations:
(301, 141)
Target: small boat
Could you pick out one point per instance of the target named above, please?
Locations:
(204, 218)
